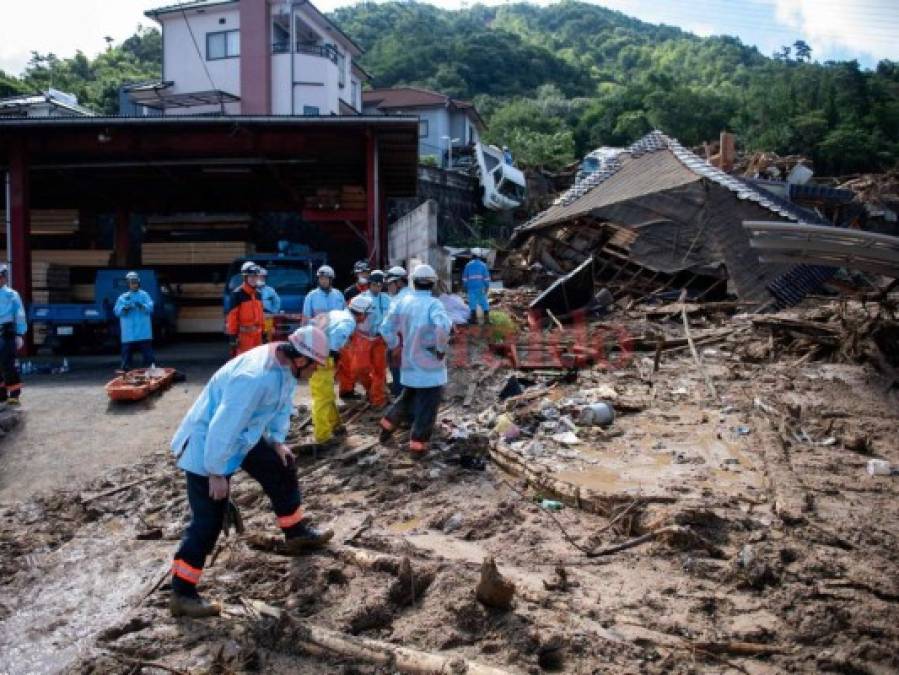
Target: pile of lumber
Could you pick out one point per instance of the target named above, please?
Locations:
(51, 221)
(200, 291)
(69, 257)
(196, 223)
(352, 197)
(194, 253)
(49, 282)
(202, 319)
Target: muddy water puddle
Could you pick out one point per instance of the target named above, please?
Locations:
(74, 593)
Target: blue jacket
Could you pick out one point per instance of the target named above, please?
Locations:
(380, 304)
(476, 276)
(271, 301)
(135, 312)
(249, 397)
(338, 325)
(318, 302)
(424, 326)
(12, 310)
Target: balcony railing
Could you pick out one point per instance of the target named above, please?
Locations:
(324, 51)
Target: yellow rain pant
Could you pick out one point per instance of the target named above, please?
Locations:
(325, 418)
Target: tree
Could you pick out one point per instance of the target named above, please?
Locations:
(803, 51)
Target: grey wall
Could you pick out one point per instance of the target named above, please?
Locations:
(413, 239)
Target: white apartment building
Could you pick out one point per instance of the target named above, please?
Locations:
(252, 57)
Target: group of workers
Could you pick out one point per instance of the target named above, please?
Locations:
(241, 418)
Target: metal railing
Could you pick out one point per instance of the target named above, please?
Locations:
(323, 51)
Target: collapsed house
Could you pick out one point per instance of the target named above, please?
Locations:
(657, 218)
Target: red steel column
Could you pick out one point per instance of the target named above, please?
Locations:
(255, 58)
(19, 251)
(371, 188)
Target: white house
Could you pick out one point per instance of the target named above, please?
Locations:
(443, 121)
(252, 57)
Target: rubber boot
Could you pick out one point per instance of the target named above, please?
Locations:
(194, 607)
(303, 537)
(350, 396)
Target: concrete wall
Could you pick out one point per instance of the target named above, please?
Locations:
(413, 239)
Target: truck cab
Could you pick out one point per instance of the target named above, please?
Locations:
(70, 326)
(292, 277)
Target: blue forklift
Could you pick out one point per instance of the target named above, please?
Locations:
(71, 327)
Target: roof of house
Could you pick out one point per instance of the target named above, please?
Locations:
(653, 164)
(415, 97)
(55, 98)
(202, 4)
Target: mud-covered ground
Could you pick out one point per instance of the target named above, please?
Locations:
(766, 546)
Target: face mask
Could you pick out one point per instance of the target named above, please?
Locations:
(260, 283)
(363, 281)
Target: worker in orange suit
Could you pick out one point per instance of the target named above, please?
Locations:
(370, 353)
(245, 322)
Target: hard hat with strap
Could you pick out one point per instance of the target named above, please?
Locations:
(396, 273)
(249, 267)
(361, 304)
(132, 276)
(325, 271)
(424, 273)
(376, 277)
(310, 341)
(361, 266)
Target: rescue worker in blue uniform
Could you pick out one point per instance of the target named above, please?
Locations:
(13, 327)
(271, 303)
(420, 327)
(397, 290)
(325, 298)
(476, 280)
(240, 421)
(135, 311)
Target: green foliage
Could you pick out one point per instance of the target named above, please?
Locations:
(95, 81)
(555, 82)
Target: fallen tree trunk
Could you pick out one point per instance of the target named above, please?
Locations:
(394, 657)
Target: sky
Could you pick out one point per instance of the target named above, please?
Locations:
(835, 29)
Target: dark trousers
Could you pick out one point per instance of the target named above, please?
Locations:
(207, 515)
(145, 347)
(393, 363)
(418, 405)
(11, 385)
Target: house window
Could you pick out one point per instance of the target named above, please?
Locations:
(222, 45)
(311, 110)
(423, 128)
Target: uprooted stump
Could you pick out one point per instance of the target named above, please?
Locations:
(493, 589)
(410, 585)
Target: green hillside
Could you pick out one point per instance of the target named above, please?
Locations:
(555, 82)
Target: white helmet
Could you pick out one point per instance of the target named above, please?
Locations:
(4, 269)
(396, 272)
(132, 276)
(249, 267)
(262, 272)
(325, 271)
(310, 341)
(361, 304)
(424, 273)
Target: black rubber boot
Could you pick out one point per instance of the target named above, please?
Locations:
(302, 537)
(193, 606)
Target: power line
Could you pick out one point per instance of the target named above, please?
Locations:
(200, 56)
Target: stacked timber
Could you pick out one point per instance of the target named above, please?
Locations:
(200, 291)
(194, 253)
(352, 197)
(50, 283)
(201, 318)
(233, 226)
(69, 257)
(51, 221)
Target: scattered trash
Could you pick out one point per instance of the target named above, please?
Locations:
(599, 414)
(743, 431)
(567, 438)
(551, 505)
(879, 467)
(453, 523)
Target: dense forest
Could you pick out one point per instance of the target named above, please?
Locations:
(555, 82)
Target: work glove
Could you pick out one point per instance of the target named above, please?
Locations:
(20, 342)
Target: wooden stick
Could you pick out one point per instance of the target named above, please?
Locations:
(149, 664)
(401, 659)
(696, 359)
(631, 543)
(115, 490)
(555, 320)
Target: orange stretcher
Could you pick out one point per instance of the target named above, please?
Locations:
(139, 383)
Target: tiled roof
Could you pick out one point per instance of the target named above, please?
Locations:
(413, 97)
(189, 4)
(585, 193)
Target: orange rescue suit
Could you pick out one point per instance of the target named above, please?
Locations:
(245, 321)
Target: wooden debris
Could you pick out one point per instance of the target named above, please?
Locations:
(493, 589)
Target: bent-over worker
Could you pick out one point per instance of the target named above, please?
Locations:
(338, 325)
(135, 311)
(245, 322)
(13, 326)
(420, 327)
(241, 420)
